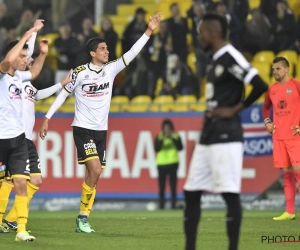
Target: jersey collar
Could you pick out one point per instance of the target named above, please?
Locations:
(221, 51)
(95, 68)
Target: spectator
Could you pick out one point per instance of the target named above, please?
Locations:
(269, 7)
(257, 35)
(6, 21)
(179, 29)
(209, 5)
(160, 48)
(235, 28)
(59, 8)
(177, 77)
(86, 34)
(137, 73)
(201, 57)
(283, 27)
(27, 20)
(240, 8)
(67, 47)
(167, 144)
(110, 36)
(296, 45)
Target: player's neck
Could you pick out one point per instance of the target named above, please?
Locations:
(284, 80)
(11, 71)
(98, 64)
(218, 45)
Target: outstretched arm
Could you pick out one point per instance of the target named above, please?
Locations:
(38, 25)
(39, 62)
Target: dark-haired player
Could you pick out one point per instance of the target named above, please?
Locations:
(284, 98)
(92, 88)
(216, 164)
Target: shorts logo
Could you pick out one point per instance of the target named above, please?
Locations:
(90, 148)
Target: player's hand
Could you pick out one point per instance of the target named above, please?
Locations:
(44, 129)
(270, 127)
(67, 79)
(295, 130)
(38, 24)
(154, 21)
(221, 113)
(44, 46)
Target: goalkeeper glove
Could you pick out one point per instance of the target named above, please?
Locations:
(269, 125)
(295, 130)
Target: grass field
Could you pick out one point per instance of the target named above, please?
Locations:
(145, 230)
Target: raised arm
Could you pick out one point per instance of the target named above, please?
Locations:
(38, 25)
(12, 55)
(39, 62)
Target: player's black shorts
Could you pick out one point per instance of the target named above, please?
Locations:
(14, 157)
(34, 159)
(90, 144)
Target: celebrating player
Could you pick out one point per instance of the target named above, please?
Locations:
(216, 163)
(92, 88)
(284, 97)
(13, 147)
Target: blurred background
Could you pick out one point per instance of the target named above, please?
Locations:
(166, 80)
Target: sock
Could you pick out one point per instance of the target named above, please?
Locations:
(297, 176)
(233, 218)
(12, 214)
(289, 191)
(91, 202)
(86, 195)
(5, 190)
(191, 218)
(21, 203)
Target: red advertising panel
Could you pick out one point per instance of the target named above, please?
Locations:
(131, 171)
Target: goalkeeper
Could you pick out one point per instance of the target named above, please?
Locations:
(284, 97)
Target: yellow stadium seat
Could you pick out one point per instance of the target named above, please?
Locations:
(264, 70)
(265, 56)
(295, 6)
(97, 28)
(119, 49)
(68, 106)
(199, 106)
(162, 103)
(191, 60)
(142, 2)
(117, 19)
(180, 107)
(119, 29)
(119, 103)
(51, 37)
(248, 89)
(139, 103)
(129, 9)
(254, 4)
(186, 99)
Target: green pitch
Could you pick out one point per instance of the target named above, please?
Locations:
(143, 230)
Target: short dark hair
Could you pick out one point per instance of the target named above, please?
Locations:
(12, 44)
(167, 122)
(216, 17)
(92, 44)
(282, 59)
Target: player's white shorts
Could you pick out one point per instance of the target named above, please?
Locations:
(216, 168)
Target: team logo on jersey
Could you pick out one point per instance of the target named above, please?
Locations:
(282, 104)
(237, 71)
(289, 91)
(94, 88)
(219, 69)
(15, 91)
(29, 90)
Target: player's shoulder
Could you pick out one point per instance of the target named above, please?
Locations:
(295, 81)
(78, 70)
(111, 62)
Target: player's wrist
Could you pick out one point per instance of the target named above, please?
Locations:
(267, 120)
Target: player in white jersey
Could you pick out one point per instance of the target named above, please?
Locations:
(13, 147)
(29, 95)
(92, 88)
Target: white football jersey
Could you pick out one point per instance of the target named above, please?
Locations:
(92, 88)
(11, 119)
(28, 94)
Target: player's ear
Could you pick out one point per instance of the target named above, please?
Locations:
(92, 53)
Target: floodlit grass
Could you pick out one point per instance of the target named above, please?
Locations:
(143, 230)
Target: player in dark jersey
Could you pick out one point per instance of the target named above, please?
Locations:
(216, 164)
